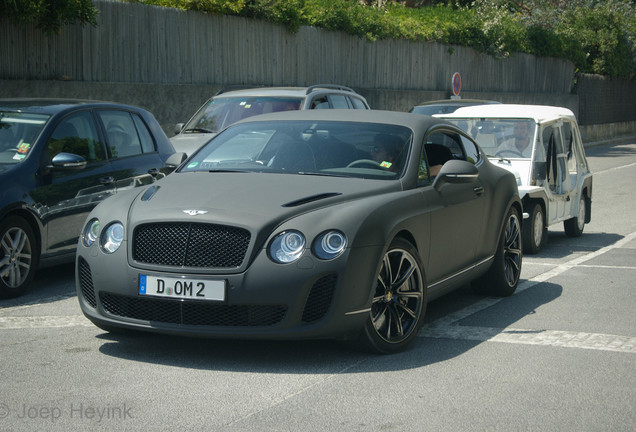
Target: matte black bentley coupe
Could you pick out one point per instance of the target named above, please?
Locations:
(305, 224)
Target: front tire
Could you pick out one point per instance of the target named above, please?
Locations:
(503, 276)
(399, 301)
(18, 256)
(535, 231)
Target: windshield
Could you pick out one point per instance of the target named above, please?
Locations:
(334, 148)
(506, 138)
(432, 109)
(18, 132)
(222, 112)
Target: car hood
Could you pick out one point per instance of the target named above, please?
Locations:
(519, 167)
(250, 200)
(190, 142)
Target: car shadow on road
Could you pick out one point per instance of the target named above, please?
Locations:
(49, 285)
(560, 246)
(331, 357)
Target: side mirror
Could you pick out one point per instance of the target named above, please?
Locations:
(456, 172)
(175, 159)
(539, 169)
(68, 161)
(178, 127)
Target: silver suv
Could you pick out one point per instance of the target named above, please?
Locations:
(229, 106)
(542, 146)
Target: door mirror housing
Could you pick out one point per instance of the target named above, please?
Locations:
(67, 161)
(456, 172)
(176, 159)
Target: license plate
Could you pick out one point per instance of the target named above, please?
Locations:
(182, 288)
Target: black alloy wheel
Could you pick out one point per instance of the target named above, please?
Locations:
(503, 276)
(399, 301)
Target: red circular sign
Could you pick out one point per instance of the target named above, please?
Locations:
(457, 83)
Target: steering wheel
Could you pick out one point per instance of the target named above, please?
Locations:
(368, 163)
(509, 151)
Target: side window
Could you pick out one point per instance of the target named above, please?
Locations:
(320, 102)
(147, 143)
(357, 103)
(339, 101)
(121, 133)
(555, 156)
(472, 152)
(77, 134)
(438, 149)
(571, 149)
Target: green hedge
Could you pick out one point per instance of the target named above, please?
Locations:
(598, 36)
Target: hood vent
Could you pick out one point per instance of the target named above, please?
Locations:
(312, 198)
(150, 192)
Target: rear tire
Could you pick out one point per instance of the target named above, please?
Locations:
(399, 301)
(18, 256)
(503, 276)
(574, 227)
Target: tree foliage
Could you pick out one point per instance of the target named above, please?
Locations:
(50, 15)
(598, 36)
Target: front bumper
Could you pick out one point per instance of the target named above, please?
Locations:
(306, 299)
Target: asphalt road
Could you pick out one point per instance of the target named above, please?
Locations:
(559, 355)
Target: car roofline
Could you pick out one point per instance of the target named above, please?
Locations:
(301, 91)
(538, 113)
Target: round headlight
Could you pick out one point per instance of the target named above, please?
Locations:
(90, 233)
(329, 245)
(112, 237)
(287, 247)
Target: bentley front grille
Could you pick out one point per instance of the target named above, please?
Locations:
(190, 245)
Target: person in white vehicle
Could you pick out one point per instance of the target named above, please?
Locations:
(521, 144)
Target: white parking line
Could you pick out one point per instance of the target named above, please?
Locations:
(448, 327)
(614, 168)
(24, 322)
(556, 338)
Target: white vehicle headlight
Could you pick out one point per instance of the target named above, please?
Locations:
(287, 247)
(112, 237)
(90, 233)
(329, 245)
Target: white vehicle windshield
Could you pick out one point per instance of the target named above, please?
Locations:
(506, 138)
(332, 148)
(18, 132)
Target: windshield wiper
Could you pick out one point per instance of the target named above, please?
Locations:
(321, 174)
(199, 130)
(229, 171)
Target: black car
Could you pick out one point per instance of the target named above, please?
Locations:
(58, 159)
(305, 224)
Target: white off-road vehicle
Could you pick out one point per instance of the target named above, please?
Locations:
(542, 146)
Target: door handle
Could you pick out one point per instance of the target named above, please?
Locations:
(478, 190)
